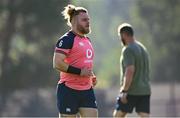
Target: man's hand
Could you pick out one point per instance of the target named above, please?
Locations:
(123, 96)
(94, 80)
(86, 72)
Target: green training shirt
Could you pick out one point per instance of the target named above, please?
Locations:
(136, 54)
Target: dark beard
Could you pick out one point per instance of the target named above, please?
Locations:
(83, 30)
(123, 42)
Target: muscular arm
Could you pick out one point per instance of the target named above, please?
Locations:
(58, 62)
(129, 73)
(60, 65)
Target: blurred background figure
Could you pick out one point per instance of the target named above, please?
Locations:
(135, 89)
(30, 29)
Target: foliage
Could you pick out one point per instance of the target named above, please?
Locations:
(162, 20)
(28, 31)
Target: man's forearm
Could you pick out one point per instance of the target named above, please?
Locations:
(61, 66)
(68, 68)
(129, 73)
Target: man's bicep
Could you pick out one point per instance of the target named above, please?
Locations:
(130, 69)
(58, 62)
(59, 56)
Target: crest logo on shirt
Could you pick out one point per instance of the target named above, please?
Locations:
(81, 43)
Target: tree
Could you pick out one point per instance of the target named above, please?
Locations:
(163, 22)
(27, 30)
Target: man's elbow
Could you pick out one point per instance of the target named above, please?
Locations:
(59, 67)
(55, 66)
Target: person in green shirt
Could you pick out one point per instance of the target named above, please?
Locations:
(135, 88)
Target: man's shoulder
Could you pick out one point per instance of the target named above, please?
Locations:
(66, 41)
(128, 48)
(68, 36)
(131, 49)
(136, 46)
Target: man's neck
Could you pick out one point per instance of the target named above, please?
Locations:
(78, 33)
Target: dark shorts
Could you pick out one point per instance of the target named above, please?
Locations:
(140, 103)
(69, 100)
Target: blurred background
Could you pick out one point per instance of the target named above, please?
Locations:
(29, 30)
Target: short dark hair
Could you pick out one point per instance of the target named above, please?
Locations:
(125, 28)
